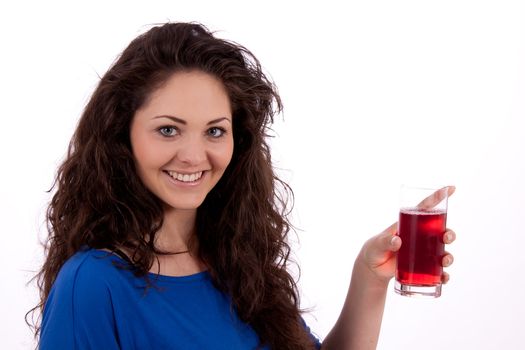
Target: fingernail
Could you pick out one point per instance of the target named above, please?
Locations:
(393, 240)
(448, 237)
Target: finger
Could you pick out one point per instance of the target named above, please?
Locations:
(436, 197)
(447, 260)
(389, 238)
(445, 277)
(394, 243)
(449, 236)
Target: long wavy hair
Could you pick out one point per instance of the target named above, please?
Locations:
(242, 227)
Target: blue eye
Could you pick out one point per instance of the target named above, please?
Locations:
(167, 131)
(216, 132)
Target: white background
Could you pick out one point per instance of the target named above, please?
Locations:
(376, 94)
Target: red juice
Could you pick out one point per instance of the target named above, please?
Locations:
(422, 250)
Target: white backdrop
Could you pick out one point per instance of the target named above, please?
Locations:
(376, 94)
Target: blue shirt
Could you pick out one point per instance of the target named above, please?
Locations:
(93, 304)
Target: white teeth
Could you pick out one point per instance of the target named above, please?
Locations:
(185, 177)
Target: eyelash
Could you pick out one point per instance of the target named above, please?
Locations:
(215, 128)
(163, 128)
(222, 131)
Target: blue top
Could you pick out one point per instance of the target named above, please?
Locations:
(95, 305)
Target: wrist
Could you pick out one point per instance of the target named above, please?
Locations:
(367, 276)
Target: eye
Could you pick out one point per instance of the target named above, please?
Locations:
(216, 132)
(168, 131)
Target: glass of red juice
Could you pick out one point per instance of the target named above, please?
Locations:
(422, 223)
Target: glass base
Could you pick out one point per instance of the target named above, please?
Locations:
(417, 290)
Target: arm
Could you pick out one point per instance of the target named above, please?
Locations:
(359, 323)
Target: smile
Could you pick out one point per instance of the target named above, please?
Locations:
(184, 177)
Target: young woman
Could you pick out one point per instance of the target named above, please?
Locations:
(168, 226)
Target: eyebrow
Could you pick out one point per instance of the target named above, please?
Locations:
(182, 121)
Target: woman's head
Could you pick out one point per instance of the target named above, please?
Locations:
(143, 68)
(182, 139)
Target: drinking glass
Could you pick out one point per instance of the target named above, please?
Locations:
(422, 223)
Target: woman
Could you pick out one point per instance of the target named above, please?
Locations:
(168, 226)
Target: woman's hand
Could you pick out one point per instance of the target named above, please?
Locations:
(379, 253)
(359, 323)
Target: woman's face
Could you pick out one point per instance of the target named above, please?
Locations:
(182, 138)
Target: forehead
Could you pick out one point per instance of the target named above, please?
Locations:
(189, 93)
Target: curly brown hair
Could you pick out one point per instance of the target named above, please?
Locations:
(242, 225)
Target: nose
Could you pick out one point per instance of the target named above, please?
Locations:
(191, 150)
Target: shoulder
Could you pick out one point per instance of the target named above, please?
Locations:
(80, 301)
(87, 271)
(83, 284)
(84, 278)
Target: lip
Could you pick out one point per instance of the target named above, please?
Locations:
(186, 184)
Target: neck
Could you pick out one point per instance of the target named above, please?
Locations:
(177, 230)
(177, 234)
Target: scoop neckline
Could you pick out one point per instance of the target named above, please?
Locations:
(155, 276)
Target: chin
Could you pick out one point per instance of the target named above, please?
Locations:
(183, 205)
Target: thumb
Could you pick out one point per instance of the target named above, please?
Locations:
(389, 240)
(380, 247)
(379, 252)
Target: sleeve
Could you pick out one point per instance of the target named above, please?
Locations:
(78, 313)
(315, 340)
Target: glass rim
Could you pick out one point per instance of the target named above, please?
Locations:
(427, 188)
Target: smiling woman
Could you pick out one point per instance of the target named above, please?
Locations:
(168, 184)
(168, 225)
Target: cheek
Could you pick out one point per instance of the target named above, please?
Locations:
(222, 155)
(143, 158)
(149, 155)
(228, 155)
